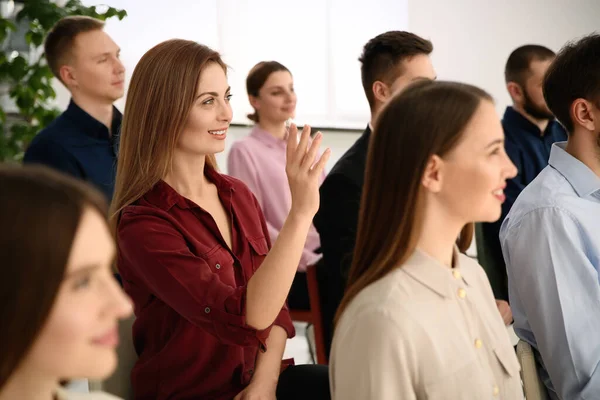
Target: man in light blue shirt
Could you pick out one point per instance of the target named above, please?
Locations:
(551, 237)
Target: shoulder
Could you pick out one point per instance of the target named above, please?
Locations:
(58, 134)
(244, 199)
(238, 186)
(346, 174)
(244, 144)
(385, 298)
(471, 268)
(349, 167)
(50, 135)
(334, 183)
(549, 189)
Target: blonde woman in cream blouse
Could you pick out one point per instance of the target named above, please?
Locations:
(60, 301)
(419, 320)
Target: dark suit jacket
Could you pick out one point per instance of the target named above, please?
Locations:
(336, 221)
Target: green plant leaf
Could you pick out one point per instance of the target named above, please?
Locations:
(17, 68)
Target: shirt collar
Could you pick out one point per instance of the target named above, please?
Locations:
(583, 180)
(165, 197)
(90, 125)
(266, 138)
(514, 118)
(437, 277)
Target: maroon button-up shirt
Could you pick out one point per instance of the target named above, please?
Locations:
(189, 292)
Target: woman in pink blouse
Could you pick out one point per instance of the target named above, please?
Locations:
(259, 161)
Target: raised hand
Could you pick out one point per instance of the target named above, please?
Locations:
(304, 171)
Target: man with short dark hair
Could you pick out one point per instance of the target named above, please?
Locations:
(389, 63)
(530, 129)
(551, 236)
(83, 141)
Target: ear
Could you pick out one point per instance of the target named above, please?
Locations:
(433, 176)
(254, 102)
(67, 76)
(515, 91)
(381, 91)
(582, 114)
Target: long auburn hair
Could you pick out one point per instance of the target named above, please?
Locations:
(40, 210)
(426, 119)
(160, 97)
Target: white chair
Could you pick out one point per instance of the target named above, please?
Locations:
(534, 388)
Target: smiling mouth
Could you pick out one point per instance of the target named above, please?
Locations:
(109, 339)
(219, 132)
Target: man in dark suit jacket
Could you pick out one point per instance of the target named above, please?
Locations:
(389, 63)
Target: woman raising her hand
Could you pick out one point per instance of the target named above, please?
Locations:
(194, 256)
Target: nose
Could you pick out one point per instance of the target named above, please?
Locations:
(290, 97)
(225, 112)
(119, 67)
(119, 305)
(511, 169)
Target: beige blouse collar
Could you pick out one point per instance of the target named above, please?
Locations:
(436, 276)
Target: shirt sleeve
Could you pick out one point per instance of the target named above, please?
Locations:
(159, 256)
(372, 361)
(558, 295)
(53, 155)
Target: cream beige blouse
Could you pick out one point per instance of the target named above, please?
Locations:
(425, 331)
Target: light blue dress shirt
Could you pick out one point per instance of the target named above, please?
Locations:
(551, 245)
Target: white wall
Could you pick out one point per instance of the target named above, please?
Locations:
(473, 38)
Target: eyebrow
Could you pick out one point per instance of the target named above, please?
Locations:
(279, 86)
(83, 270)
(422, 78)
(107, 53)
(495, 142)
(215, 94)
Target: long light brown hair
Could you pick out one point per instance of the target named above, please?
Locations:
(159, 100)
(427, 119)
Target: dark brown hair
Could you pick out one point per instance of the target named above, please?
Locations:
(518, 65)
(257, 77)
(40, 211)
(58, 45)
(382, 55)
(574, 74)
(426, 119)
(170, 71)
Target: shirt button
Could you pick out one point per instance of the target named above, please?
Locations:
(218, 266)
(496, 391)
(251, 372)
(462, 293)
(456, 273)
(478, 343)
(207, 310)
